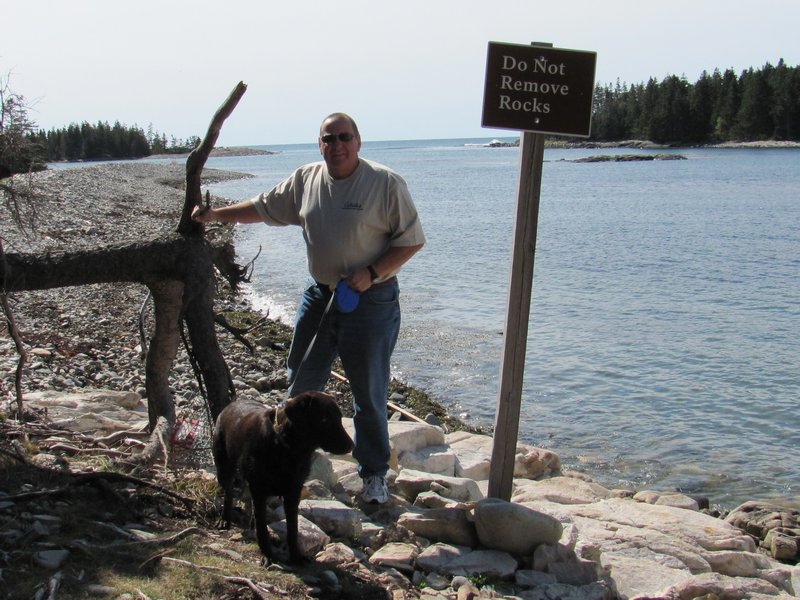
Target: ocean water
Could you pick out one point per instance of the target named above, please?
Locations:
(664, 337)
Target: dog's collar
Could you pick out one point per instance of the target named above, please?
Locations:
(280, 425)
(279, 408)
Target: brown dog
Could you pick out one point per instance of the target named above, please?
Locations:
(272, 449)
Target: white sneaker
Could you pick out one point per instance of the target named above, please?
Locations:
(375, 490)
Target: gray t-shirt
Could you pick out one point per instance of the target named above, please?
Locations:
(347, 223)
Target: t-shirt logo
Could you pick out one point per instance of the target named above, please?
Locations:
(352, 206)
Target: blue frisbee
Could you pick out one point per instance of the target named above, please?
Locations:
(346, 298)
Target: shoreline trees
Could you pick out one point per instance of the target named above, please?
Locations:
(102, 141)
(756, 105)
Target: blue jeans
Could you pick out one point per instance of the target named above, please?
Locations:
(364, 340)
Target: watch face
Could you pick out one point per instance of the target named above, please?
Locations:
(346, 298)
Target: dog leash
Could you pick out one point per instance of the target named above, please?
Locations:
(307, 352)
(311, 343)
(346, 301)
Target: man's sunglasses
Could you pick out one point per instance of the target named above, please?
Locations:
(329, 138)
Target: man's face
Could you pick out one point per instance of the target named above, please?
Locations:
(339, 146)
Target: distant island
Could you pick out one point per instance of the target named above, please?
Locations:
(625, 158)
(223, 151)
(495, 143)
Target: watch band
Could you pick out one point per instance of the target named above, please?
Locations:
(373, 274)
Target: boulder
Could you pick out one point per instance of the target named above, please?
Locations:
(410, 436)
(489, 563)
(398, 555)
(333, 517)
(532, 463)
(431, 459)
(310, 538)
(447, 525)
(646, 547)
(473, 453)
(514, 528)
(675, 499)
(437, 556)
(715, 585)
(335, 554)
(410, 483)
(561, 490)
(775, 528)
(322, 469)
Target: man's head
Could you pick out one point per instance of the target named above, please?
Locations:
(339, 144)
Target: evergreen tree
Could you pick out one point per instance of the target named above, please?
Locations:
(753, 120)
(783, 82)
(702, 99)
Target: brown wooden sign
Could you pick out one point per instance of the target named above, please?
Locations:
(539, 89)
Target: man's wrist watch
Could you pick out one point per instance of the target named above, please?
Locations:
(373, 274)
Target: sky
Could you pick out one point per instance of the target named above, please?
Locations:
(411, 69)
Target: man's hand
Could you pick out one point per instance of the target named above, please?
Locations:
(203, 214)
(360, 280)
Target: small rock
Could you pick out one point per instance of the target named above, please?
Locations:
(437, 581)
(398, 555)
(50, 559)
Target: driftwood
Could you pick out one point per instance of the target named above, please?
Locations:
(261, 590)
(23, 354)
(144, 544)
(178, 270)
(102, 477)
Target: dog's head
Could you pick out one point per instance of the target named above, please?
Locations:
(317, 415)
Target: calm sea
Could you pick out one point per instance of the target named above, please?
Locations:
(664, 338)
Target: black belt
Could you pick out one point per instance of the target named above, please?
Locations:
(389, 281)
(326, 287)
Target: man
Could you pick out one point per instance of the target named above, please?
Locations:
(360, 226)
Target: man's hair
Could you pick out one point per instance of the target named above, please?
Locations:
(341, 115)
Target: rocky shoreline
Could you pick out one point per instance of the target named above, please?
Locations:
(562, 535)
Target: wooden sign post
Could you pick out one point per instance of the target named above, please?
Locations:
(536, 89)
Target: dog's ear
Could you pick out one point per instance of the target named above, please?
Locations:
(295, 407)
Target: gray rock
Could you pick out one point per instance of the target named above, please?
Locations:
(437, 556)
(447, 525)
(333, 517)
(776, 528)
(514, 528)
(398, 555)
(310, 538)
(410, 483)
(50, 559)
(529, 578)
(491, 563)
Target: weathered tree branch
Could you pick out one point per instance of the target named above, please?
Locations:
(157, 260)
(23, 353)
(178, 269)
(197, 160)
